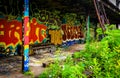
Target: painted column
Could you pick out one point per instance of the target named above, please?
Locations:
(88, 29)
(26, 36)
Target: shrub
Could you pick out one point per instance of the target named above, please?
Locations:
(98, 60)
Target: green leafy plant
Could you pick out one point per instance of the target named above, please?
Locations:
(98, 60)
(29, 73)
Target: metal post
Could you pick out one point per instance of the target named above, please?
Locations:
(96, 4)
(88, 29)
(26, 36)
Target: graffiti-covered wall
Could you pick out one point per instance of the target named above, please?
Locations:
(37, 31)
(61, 27)
(11, 33)
(44, 26)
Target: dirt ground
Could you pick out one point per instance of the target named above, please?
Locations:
(11, 67)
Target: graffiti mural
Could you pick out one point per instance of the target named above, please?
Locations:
(71, 33)
(11, 9)
(43, 24)
(10, 32)
(37, 31)
(56, 36)
(48, 18)
(66, 34)
(70, 19)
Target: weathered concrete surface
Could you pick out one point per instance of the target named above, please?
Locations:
(37, 60)
(10, 67)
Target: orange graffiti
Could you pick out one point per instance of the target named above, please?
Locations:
(11, 32)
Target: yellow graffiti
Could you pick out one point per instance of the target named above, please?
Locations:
(17, 35)
(37, 33)
(26, 46)
(1, 32)
(43, 33)
(2, 26)
(12, 26)
(27, 33)
(56, 36)
(28, 24)
(35, 23)
(11, 44)
(17, 28)
(31, 41)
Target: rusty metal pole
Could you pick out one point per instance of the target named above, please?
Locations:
(98, 14)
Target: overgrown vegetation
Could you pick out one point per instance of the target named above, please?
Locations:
(99, 60)
(29, 73)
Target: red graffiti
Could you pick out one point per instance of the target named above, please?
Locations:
(37, 31)
(11, 31)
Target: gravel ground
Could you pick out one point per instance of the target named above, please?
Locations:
(11, 67)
